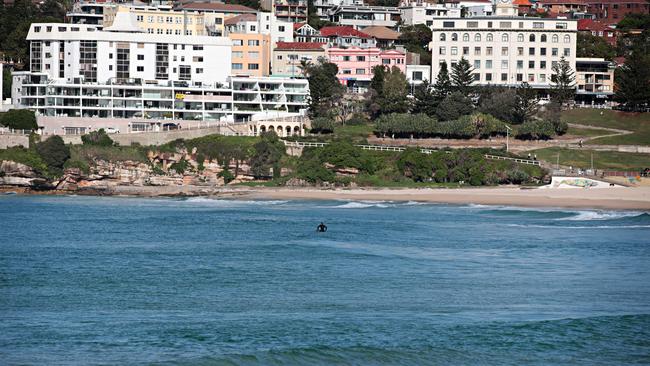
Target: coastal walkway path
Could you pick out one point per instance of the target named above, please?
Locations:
(296, 147)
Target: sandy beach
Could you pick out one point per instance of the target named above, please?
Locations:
(611, 198)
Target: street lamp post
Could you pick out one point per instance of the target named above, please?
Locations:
(507, 138)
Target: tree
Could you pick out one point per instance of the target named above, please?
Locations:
(322, 125)
(499, 102)
(424, 99)
(268, 152)
(395, 92)
(563, 82)
(324, 87)
(6, 83)
(442, 87)
(98, 138)
(461, 76)
(416, 38)
(54, 153)
(633, 80)
(589, 45)
(453, 106)
(19, 119)
(526, 103)
(415, 165)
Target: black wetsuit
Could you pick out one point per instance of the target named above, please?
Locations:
(321, 228)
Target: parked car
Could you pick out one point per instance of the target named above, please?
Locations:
(112, 130)
(169, 126)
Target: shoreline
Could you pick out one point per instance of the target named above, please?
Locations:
(623, 198)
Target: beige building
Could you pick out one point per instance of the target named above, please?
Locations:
(595, 81)
(287, 57)
(165, 21)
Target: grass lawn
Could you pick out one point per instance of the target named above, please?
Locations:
(585, 132)
(602, 159)
(637, 122)
(354, 132)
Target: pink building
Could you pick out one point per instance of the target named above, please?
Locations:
(355, 64)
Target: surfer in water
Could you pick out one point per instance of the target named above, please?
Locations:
(321, 228)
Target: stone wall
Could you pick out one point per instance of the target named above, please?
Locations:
(13, 140)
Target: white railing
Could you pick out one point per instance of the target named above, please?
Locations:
(516, 160)
(11, 131)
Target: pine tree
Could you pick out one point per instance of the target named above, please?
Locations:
(424, 99)
(563, 82)
(442, 87)
(461, 76)
(394, 98)
(633, 81)
(526, 103)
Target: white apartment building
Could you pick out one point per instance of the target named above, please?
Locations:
(361, 16)
(423, 12)
(123, 51)
(504, 50)
(323, 6)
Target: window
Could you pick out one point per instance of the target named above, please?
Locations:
(279, 57)
(443, 37)
(361, 58)
(237, 42)
(567, 39)
(150, 19)
(520, 51)
(36, 54)
(538, 25)
(140, 57)
(531, 64)
(347, 72)
(139, 18)
(504, 77)
(454, 51)
(542, 78)
(442, 50)
(504, 64)
(140, 68)
(554, 52)
(123, 64)
(37, 29)
(488, 51)
(542, 64)
(476, 76)
(281, 28)
(489, 37)
(237, 66)
(184, 72)
(253, 28)
(567, 52)
(520, 37)
(488, 64)
(543, 38)
(520, 64)
(385, 61)
(504, 37)
(477, 64)
(253, 66)
(360, 71)
(197, 59)
(454, 37)
(346, 58)
(542, 51)
(531, 78)
(465, 51)
(555, 38)
(531, 38)
(197, 48)
(238, 54)
(477, 37)
(520, 77)
(472, 24)
(162, 61)
(448, 24)
(505, 24)
(488, 77)
(465, 37)
(560, 26)
(477, 51)
(253, 42)
(417, 75)
(531, 51)
(504, 51)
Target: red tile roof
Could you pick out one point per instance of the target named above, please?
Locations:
(562, 2)
(522, 3)
(240, 18)
(219, 7)
(342, 31)
(592, 25)
(297, 26)
(299, 46)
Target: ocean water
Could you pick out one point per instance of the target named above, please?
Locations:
(92, 280)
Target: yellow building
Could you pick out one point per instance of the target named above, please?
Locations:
(164, 20)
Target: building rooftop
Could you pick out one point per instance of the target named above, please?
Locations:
(522, 3)
(240, 18)
(342, 31)
(299, 46)
(592, 25)
(124, 22)
(381, 32)
(218, 7)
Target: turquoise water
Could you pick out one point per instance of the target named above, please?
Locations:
(87, 280)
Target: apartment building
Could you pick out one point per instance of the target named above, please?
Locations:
(346, 36)
(123, 51)
(355, 64)
(293, 11)
(423, 12)
(323, 6)
(599, 29)
(560, 7)
(595, 81)
(88, 13)
(141, 105)
(288, 56)
(505, 50)
(360, 16)
(254, 37)
(613, 11)
(303, 32)
(162, 20)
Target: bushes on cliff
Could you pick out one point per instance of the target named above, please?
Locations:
(25, 156)
(322, 125)
(98, 138)
(267, 154)
(421, 126)
(415, 165)
(54, 153)
(19, 119)
(536, 130)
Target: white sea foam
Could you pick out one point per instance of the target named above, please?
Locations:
(232, 202)
(363, 204)
(580, 227)
(601, 215)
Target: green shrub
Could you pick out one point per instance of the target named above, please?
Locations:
(415, 165)
(80, 164)
(560, 127)
(19, 119)
(54, 153)
(312, 170)
(180, 166)
(226, 175)
(98, 138)
(517, 176)
(536, 130)
(357, 119)
(25, 156)
(322, 125)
